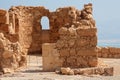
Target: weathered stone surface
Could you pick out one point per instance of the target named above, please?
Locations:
(26, 21)
(72, 31)
(66, 71)
(3, 19)
(11, 55)
(7, 70)
(77, 39)
(109, 52)
(2, 12)
(4, 28)
(51, 60)
(107, 71)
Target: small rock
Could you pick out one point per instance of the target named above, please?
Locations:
(65, 70)
(7, 70)
(71, 72)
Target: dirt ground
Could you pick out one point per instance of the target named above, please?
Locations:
(33, 71)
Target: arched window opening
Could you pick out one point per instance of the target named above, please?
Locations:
(45, 23)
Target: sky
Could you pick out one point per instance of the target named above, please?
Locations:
(105, 12)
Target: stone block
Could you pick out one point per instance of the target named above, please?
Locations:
(93, 62)
(4, 28)
(86, 32)
(93, 41)
(105, 50)
(71, 61)
(7, 54)
(73, 52)
(2, 12)
(48, 49)
(64, 52)
(66, 71)
(114, 50)
(82, 42)
(7, 70)
(82, 62)
(3, 19)
(88, 52)
(51, 63)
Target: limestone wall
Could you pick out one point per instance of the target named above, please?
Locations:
(11, 55)
(28, 27)
(76, 45)
(3, 21)
(27, 23)
(109, 52)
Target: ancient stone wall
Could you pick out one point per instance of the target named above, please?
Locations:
(3, 21)
(109, 52)
(27, 23)
(11, 55)
(76, 46)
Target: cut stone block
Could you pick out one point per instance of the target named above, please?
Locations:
(3, 19)
(87, 32)
(2, 12)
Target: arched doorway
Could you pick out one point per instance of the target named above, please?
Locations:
(45, 29)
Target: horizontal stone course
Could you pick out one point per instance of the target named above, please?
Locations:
(109, 52)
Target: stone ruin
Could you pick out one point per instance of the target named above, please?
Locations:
(71, 40)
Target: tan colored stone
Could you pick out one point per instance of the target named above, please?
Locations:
(73, 52)
(7, 70)
(76, 71)
(114, 50)
(89, 52)
(109, 71)
(93, 62)
(7, 54)
(105, 50)
(71, 42)
(72, 31)
(3, 12)
(3, 19)
(75, 29)
(65, 71)
(86, 32)
(63, 31)
(81, 62)
(64, 52)
(71, 72)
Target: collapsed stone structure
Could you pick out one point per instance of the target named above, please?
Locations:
(11, 55)
(70, 42)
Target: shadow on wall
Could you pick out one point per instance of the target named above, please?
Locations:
(40, 37)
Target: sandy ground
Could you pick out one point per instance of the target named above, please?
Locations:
(33, 71)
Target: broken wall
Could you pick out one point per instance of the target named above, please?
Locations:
(27, 24)
(11, 55)
(76, 45)
(109, 52)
